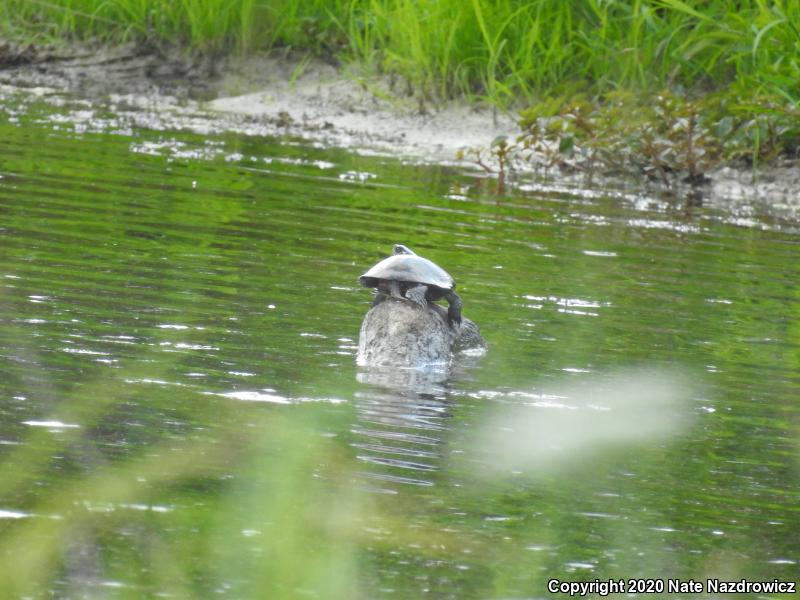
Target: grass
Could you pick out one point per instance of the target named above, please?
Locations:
(503, 50)
(509, 53)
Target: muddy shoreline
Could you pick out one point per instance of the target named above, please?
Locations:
(285, 94)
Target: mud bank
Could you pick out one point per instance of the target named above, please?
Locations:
(360, 113)
(283, 94)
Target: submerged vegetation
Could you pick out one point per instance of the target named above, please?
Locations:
(730, 68)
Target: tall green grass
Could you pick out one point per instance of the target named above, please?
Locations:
(503, 50)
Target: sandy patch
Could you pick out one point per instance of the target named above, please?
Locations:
(353, 112)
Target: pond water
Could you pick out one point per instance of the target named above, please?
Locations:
(181, 414)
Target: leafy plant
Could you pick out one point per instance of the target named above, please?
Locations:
(666, 137)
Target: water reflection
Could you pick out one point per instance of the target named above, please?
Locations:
(424, 380)
(401, 420)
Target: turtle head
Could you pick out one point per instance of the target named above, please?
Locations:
(400, 249)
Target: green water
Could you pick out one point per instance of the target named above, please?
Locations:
(181, 414)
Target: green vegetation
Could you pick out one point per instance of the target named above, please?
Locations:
(502, 49)
(510, 53)
(664, 138)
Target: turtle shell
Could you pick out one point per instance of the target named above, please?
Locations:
(408, 268)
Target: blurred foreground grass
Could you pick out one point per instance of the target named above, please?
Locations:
(259, 508)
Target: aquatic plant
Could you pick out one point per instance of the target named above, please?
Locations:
(496, 159)
(666, 137)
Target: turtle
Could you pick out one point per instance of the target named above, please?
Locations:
(405, 274)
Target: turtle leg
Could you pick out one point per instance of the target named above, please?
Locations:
(417, 295)
(394, 289)
(379, 297)
(454, 308)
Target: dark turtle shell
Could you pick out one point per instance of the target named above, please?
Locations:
(410, 268)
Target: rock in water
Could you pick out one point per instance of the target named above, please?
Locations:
(401, 334)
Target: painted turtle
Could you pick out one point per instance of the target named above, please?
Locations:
(407, 275)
